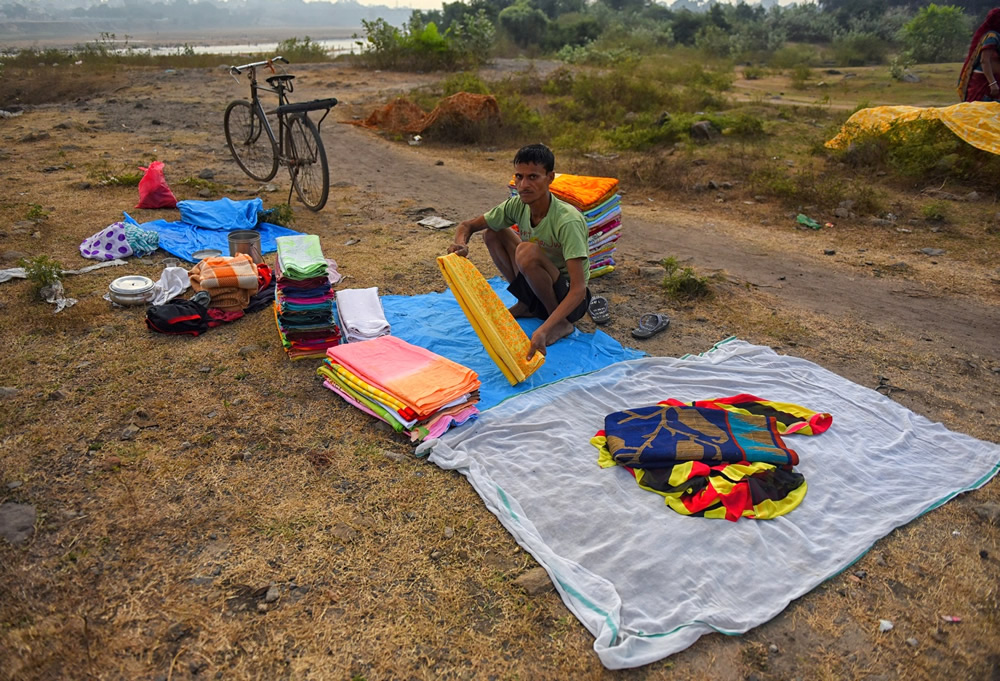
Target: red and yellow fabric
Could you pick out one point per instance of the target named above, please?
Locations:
(582, 191)
(501, 335)
(972, 82)
(789, 418)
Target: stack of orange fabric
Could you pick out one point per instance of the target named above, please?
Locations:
(599, 201)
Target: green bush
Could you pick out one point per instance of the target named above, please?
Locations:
(859, 49)
(464, 82)
(303, 50)
(422, 47)
(937, 34)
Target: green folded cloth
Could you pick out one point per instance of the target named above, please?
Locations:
(301, 257)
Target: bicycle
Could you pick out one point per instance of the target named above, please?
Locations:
(298, 145)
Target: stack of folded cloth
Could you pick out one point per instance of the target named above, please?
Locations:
(412, 389)
(361, 315)
(230, 280)
(599, 201)
(303, 298)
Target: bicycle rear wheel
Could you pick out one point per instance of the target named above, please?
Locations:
(251, 146)
(307, 162)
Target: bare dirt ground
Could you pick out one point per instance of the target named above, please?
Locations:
(153, 555)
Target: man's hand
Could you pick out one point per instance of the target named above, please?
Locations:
(460, 249)
(539, 341)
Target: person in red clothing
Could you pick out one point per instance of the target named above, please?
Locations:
(978, 79)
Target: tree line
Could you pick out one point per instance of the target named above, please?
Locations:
(856, 32)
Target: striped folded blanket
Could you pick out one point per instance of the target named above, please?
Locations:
(238, 271)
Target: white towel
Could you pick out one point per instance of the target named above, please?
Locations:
(361, 314)
(173, 282)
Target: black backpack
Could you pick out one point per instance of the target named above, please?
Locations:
(178, 317)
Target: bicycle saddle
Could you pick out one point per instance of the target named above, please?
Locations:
(283, 78)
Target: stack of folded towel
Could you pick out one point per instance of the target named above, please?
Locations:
(361, 314)
(599, 201)
(230, 280)
(303, 298)
(415, 391)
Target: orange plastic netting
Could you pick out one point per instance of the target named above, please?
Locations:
(403, 116)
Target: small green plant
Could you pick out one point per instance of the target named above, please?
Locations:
(36, 212)
(682, 282)
(935, 211)
(754, 72)
(41, 270)
(199, 183)
(280, 214)
(106, 176)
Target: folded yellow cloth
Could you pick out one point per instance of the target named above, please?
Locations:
(501, 335)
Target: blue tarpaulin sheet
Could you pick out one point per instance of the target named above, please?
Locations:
(436, 322)
(206, 224)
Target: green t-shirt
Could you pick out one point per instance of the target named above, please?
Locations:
(562, 233)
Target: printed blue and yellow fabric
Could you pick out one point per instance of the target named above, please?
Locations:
(717, 458)
(662, 435)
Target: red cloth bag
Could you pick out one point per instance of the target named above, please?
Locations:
(153, 189)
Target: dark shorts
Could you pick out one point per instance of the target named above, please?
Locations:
(521, 289)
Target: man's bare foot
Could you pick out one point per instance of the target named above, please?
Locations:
(561, 331)
(519, 309)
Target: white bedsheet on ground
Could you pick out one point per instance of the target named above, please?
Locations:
(648, 582)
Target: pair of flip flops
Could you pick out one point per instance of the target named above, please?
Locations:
(599, 310)
(650, 325)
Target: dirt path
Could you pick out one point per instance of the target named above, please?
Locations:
(712, 242)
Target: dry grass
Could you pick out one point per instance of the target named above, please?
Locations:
(153, 556)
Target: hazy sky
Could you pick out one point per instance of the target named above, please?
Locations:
(436, 4)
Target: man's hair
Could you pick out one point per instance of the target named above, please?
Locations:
(538, 154)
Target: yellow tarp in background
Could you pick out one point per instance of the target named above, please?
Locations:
(501, 335)
(978, 123)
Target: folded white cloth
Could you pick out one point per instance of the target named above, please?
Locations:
(173, 282)
(361, 314)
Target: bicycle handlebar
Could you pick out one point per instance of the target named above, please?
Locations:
(237, 70)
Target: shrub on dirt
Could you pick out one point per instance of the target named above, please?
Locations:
(304, 50)
(41, 271)
(681, 283)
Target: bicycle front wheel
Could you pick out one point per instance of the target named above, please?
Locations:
(307, 162)
(248, 140)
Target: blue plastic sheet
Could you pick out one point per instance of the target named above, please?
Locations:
(206, 224)
(436, 322)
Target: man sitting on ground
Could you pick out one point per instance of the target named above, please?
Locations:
(545, 261)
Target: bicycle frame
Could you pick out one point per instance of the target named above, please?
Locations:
(279, 90)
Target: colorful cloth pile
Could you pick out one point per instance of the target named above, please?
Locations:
(230, 280)
(119, 240)
(303, 298)
(501, 335)
(599, 201)
(412, 389)
(718, 458)
(361, 314)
